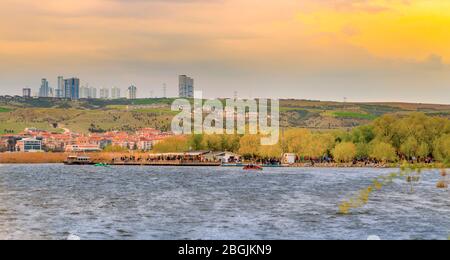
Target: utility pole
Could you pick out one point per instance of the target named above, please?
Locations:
(164, 90)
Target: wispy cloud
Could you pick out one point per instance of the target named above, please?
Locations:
(292, 46)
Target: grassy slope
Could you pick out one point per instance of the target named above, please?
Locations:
(103, 115)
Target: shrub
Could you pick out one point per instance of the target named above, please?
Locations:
(384, 152)
(442, 148)
(344, 152)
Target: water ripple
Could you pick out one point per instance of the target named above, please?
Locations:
(60, 202)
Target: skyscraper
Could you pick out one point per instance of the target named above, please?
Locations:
(104, 93)
(84, 92)
(72, 88)
(26, 92)
(186, 87)
(44, 90)
(60, 90)
(132, 92)
(115, 93)
(92, 92)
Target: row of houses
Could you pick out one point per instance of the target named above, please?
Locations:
(35, 140)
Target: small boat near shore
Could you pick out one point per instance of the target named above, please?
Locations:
(252, 167)
(102, 165)
(78, 160)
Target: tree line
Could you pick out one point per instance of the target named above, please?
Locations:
(390, 138)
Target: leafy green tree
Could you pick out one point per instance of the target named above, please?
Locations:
(344, 152)
(176, 144)
(362, 151)
(383, 128)
(231, 143)
(384, 152)
(363, 134)
(213, 142)
(410, 147)
(270, 151)
(423, 150)
(249, 146)
(196, 142)
(442, 148)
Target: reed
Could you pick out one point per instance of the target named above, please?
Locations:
(28, 158)
(41, 158)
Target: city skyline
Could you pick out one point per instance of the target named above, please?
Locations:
(72, 88)
(374, 50)
(79, 90)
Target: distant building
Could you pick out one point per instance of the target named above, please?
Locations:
(29, 145)
(44, 90)
(26, 92)
(72, 88)
(83, 148)
(186, 87)
(104, 93)
(92, 93)
(84, 92)
(132, 92)
(115, 93)
(59, 93)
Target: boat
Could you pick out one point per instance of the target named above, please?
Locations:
(101, 165)
(252, 167)
(78, 160)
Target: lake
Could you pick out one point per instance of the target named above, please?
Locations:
(55, 201)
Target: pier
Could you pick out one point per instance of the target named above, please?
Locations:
(167, 163)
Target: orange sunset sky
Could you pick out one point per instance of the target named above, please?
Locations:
(365, 50)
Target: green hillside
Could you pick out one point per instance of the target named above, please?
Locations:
(128, 115)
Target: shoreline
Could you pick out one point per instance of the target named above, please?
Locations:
(297, 166)
(103, 157)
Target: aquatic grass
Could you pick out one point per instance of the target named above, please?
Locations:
(444, 182)
(411, 174)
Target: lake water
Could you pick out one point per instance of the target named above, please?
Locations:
(55, 201)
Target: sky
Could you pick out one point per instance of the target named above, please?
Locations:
(362, 50)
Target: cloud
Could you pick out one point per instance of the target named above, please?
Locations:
(286, 47)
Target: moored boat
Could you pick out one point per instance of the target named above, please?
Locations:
(78, 160)
(252, 167)
(101, 165)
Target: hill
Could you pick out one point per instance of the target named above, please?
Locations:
(128, 115)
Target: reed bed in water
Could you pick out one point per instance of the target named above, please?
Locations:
(36, 158)
(25, 158)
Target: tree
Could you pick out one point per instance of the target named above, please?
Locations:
(383, 128)
(423, 150)
(115, 149)
(293, 141)
(249, 146)
(410, 147)
(363, 134)
(384, 152)
(213, 142)
(231, 143)
(441, 149)
(196, 142)
(305, 143)
(344, 152)
(362, 151)
(176, 144)
(270, 151)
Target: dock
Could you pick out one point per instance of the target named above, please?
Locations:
(168, 163)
